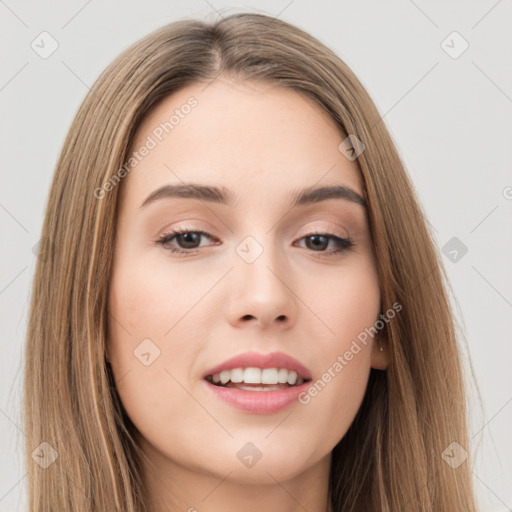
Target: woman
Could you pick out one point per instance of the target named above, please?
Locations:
(241, 306)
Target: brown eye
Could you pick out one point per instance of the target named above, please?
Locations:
(187, 240)
(318, 242)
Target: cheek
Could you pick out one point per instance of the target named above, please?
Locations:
(335, 395)
(349, 304)
(142, 299)
(154, 301)
(147, 364)
(346, 301)
(152, 342)
(334, 398)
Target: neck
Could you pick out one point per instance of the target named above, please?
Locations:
(171, 487)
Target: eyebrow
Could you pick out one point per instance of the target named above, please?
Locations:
(222, 195)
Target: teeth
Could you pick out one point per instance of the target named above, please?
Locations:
(252, 376)
(269, 376)
(237, 375)
(282, 376)
(292, 378)
(258, 376)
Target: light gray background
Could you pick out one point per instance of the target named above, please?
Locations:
(450, 118)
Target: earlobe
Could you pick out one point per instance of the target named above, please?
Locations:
(380, 354)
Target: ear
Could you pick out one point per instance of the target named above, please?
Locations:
(380, 358)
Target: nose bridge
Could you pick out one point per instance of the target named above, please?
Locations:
(258, 261)
(262, 288)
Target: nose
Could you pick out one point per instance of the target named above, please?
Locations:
(261, 293)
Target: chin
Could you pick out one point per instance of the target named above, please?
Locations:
(264, 462)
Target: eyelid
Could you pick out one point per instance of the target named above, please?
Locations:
(331, 230)
(345, 243)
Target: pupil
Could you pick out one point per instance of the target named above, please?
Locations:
(188, 235)
(316, 239)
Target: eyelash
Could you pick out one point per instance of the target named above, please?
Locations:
(345, 243)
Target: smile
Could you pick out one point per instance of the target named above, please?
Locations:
(258, 383)
(256, 379)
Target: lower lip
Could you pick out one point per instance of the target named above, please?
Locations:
(258, 402)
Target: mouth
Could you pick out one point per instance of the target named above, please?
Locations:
(258, 383)
(257, 379)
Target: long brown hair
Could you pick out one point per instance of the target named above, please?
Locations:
(391, 458)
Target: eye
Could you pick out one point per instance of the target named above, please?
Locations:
(318, 242)
(188, 241)
(186, 238)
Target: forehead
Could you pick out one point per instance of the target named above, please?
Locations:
(248, 136)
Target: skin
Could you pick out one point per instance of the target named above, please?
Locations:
(262, 142)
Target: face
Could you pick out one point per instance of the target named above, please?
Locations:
(254, 277)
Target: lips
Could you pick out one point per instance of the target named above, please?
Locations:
(276, 378)
(248, 382)
(255, 360)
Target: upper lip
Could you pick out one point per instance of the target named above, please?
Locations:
(257, 360)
